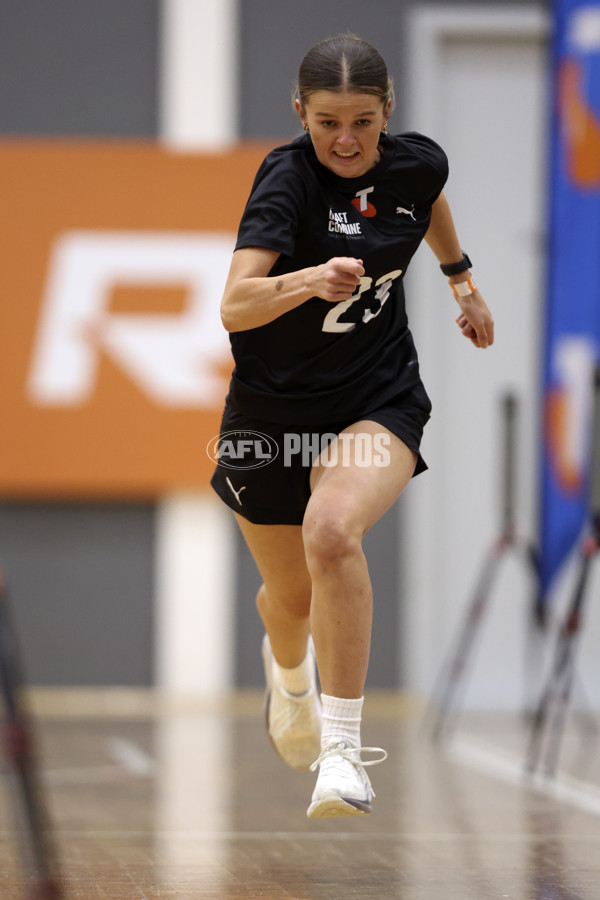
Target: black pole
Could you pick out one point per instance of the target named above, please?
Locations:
(19, 750)
(595, 473)
(508, 481)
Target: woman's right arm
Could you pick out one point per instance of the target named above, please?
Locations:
(251, 298)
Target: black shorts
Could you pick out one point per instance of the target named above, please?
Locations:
(263, 469)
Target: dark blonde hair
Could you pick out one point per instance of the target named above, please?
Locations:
(344, 63)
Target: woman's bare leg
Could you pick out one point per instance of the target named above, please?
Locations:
(283, 600)
(346, 500)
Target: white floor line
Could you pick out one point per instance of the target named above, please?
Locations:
(107, 774)
(205, 837)
(130, 756)
(503, 766)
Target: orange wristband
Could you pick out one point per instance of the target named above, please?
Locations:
(464, 288)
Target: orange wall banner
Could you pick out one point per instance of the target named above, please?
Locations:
(114, 364)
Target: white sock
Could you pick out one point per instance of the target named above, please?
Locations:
(341, 720)
(295, 681)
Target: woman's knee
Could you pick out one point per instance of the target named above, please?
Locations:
(329, 538)
(293, 602)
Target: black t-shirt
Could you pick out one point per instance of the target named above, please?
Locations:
(323, 361)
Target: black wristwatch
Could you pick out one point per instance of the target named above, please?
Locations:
(457, 267)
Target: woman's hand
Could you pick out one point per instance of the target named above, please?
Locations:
(335, 280)
(475, 320)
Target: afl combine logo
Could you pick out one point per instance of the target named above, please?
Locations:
(242, 450)
(339, 224)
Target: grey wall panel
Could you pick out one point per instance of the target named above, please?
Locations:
(81, 575)
(79, 67)
(81, 586)
(380, 546)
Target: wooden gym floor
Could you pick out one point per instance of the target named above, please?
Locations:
(188, 800)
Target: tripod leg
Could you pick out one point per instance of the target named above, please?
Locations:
(557, 724)
(558, 687)
(544, 707)
(539, 610)
(536, 631)
(453, 670)
(572, 630)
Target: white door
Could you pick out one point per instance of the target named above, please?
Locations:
(478, 82)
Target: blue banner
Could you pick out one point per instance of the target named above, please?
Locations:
(572, 339)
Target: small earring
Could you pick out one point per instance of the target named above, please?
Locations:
(306, 128)
(385, 127)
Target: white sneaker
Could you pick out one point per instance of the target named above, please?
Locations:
(343, 787)
(293, 722)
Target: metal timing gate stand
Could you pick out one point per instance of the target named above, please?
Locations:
(550, 716)
(18, 747)
(452, 674)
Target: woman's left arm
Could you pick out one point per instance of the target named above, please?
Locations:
(475, 320)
